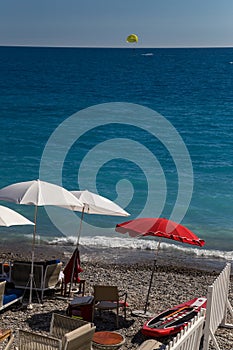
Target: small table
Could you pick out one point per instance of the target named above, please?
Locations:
(107, 340)
(66, 292)
(4, 333)
(81, 307)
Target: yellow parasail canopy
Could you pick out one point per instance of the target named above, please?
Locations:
(132, 38)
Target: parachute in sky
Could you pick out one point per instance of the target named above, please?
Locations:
(132, 38)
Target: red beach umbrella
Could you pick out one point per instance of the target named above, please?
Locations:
(158, 227)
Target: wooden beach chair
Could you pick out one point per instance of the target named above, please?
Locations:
(108, 298)
(66, 333)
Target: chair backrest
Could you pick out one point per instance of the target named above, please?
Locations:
(21, 273)
(106, 293)
(80, 338)
(51, 275)
(2, 290)
(60, 325)
(33, 341)
(44, 276)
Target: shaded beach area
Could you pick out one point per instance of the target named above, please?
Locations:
(176, 280)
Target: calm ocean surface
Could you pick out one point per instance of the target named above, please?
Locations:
(192, 89)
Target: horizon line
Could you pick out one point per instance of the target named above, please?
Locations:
(116, 47)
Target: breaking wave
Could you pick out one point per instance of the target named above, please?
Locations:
(142, 244)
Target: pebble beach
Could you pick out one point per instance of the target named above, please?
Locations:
(174, 282)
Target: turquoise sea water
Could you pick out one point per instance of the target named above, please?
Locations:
(41, 88)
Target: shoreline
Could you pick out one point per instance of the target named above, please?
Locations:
(121, 256)
(174, 282)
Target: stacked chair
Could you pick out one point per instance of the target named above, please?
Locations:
(66, 333)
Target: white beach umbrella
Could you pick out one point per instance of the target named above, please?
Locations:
(9, 217)
(38, 193)
(93, 204)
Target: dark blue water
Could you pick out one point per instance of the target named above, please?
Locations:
(190, 88)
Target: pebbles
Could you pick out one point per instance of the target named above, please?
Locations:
(171, 285)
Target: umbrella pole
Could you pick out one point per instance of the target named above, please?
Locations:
(77, 245)
(80, 227)
(33, 256)
(152, 276)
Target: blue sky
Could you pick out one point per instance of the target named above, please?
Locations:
(106, 23)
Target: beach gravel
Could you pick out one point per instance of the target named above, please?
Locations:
(172, 285)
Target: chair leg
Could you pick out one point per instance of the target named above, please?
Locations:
(93, 313)
(117, 318)
(10, 341)
(124, 312)
(42, 295)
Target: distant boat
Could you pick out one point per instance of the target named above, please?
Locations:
(148, 54)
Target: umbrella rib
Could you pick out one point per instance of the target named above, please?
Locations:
(25, 194)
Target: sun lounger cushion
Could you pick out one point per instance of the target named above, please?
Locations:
(7, 298)
(50, 262)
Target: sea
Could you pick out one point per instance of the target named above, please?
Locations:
(148, 128)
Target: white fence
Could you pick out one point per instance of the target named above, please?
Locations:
(190, 337)
(217, 307)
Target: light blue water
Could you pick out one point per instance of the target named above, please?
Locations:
(191, 88)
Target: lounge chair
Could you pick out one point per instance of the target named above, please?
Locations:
(65, 334)
(10, 296)
(108, 298)
(61, 324)
(45, 275)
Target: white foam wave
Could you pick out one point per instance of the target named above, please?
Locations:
(142, 244)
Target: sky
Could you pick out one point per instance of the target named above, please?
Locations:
(106, 23)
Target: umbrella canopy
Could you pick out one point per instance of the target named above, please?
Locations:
(158, 227)
(9, 217)
(38, 193)
(96, 204)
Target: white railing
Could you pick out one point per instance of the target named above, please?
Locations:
(217, 307)
(190, 337)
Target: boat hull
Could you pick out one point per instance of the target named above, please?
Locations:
(173, 320)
